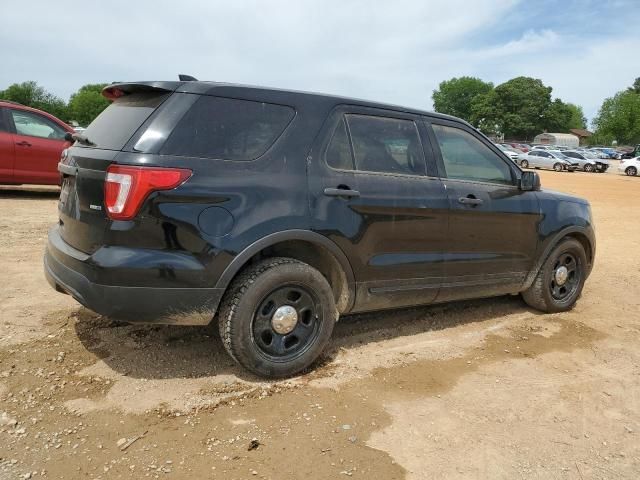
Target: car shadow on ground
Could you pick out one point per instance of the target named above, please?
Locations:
(169, 351)
(29, 193)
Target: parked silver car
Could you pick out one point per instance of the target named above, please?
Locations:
(549, 159)
(588, 161)
(508, 151)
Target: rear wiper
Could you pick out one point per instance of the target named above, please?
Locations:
(78, 137)
(83, 140)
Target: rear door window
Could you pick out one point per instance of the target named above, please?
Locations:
(227, 128)
(119, 121)
(388, 145)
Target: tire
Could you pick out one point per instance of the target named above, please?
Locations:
(247, 317)
(557, 167)
(524, 164)
(545, 293)
(631, 171)
(589, 168)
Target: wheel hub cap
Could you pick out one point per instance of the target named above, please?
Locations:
(561, 275)
(284, 319)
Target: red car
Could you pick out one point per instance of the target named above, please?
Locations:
(31, 142)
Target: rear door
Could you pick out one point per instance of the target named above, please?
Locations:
(7, 149)
(492, 236)
(370, 193)
(38, 143)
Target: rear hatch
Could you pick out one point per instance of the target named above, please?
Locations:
(83, 166)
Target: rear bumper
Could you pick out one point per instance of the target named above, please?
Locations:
(182, 306)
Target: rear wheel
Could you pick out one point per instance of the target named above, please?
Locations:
(560, 280)
(524, 164)
(277, 317)
(557, 167)
(631, 171)
(589, 167)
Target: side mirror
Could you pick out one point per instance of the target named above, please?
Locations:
(68, 137)
(529, 181)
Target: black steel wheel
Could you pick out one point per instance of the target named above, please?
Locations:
(560, 280)
(286, 323)
(277, 316)
(566, 277)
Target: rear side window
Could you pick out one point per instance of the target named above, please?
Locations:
(119, 121)
(229, 129)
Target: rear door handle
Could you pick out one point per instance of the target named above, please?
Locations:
(23, 144)
(470, 200)
(341, 192)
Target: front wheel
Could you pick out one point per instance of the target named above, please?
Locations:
(557, 167)
(524, 164)
(560, 280)
(589, 168)
(277, 317)
(631, 171)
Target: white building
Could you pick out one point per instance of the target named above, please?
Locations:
(562, 139)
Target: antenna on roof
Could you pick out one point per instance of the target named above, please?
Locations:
(187, 78)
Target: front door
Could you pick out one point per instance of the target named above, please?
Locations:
(493, 228)
(370, 194)
(38, 144)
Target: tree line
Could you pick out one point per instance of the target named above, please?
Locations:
(523, 107)
(83, 106)
(520, 108)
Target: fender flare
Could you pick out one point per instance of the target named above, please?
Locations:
(588, 233)
(243, 257)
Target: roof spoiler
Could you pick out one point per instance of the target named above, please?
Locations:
(119, 89)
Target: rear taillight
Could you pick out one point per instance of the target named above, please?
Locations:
(126, 188)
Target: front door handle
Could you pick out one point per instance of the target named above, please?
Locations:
(341, 192)
(23, 144)
(470, 200)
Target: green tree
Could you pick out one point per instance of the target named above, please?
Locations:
(455, 96)
(33, 95)
(577, 119)
(619, 118)
(635, 88)
(87, 103)
(517, 108)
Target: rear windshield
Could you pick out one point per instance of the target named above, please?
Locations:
(227, 128)
(116, 125)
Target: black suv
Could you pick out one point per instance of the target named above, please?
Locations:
(279, 211)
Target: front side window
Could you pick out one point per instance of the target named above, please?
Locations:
(467, 158)
(386, 145)
(227, 128)
(34, 125)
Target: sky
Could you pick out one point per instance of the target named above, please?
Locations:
(395, 52)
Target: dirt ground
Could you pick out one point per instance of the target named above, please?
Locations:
(482, 389)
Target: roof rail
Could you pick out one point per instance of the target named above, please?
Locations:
(187, 78)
